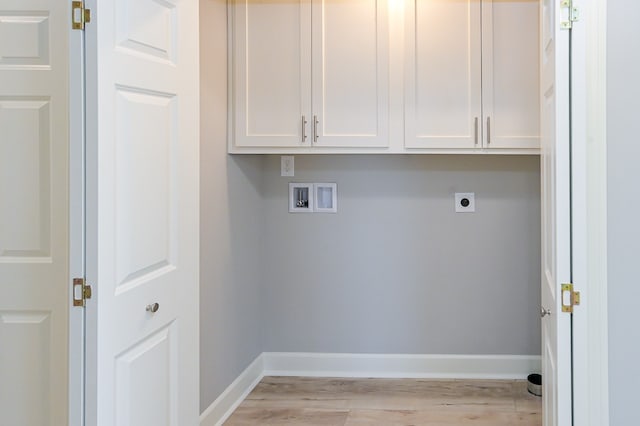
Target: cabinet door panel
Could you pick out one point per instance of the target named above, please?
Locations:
(272, 73)
(350, 73)
(511, 73)
(442, 66)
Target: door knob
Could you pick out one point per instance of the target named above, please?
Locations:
(544, 312)
(153, 308)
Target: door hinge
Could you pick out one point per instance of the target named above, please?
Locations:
(81, 292)
(569, 297)
(79, 15)
(571, 16)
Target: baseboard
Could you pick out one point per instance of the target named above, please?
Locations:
(365, 365)
(400, 366)
(220, 410)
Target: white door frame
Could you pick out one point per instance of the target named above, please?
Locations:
(76, 220)
(589, 185)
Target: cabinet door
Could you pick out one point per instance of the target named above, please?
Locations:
(510, 75)
(350, 73)
(442, 74)
(272, 73)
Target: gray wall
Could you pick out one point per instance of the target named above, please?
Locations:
(396, 270)
(232, 227)
(623, 144)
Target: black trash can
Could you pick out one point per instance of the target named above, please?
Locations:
(534, 384)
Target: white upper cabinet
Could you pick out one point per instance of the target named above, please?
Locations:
(271, 72)
(442, 74)
(384, 76)
(350, 73)
(290, 92)
(471, 74)
(510, 74)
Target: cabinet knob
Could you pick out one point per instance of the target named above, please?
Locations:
(153, 308)
(544, 312)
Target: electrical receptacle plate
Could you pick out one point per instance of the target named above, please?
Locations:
(465, 202)
(286, 165)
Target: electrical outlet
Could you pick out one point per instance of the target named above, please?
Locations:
(286, 165)
(465, 202)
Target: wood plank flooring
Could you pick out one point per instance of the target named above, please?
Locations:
(390, 402)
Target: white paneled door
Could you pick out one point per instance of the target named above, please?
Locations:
(142, 212)
(556, 219)
(33, 212)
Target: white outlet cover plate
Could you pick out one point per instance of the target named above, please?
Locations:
(286, 165)
(471, 196)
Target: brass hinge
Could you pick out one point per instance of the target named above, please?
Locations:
(79, 15)
(572, 14)
(81, 292)
(569, 297)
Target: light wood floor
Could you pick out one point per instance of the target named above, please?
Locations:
(389, 402)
